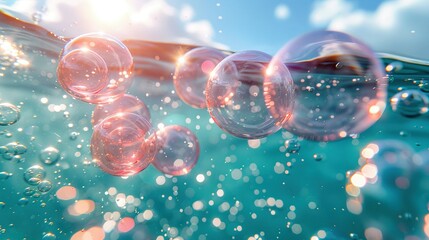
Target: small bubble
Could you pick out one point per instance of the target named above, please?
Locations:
(16, 148)
(318, 157)
(292, 146)
(354, 236)
(424, 86)
(3, 149)
(9, 114)
(18, 158)
(44, 186)
(5, 175)
(74, 135)
(29, 191)
(394, 67)
(23, 201)
(49, 236)
(34, 174)
(7, 156)
(410, 103)
(49, 155)
(20, 149)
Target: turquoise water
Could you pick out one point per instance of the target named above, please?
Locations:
(238, 189)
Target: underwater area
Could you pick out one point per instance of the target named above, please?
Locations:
(371, 185)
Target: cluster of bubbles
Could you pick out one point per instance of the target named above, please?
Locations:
(392, 184)
(35, 176)
(97, 68)
(13, 151)
(322, 86)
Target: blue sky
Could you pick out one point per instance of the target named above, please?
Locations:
(394, 26)
(253, 25)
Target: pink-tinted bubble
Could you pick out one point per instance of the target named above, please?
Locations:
(82, 73)
(340, 85)
(178, 150)
(123, 144)
(117, 60)
(125, 104)
(192, 72)
(235, 95)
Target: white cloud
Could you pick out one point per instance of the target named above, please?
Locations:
(186, 13)
(326, 10)
(154, 20)
(397, 27)
(282, 12)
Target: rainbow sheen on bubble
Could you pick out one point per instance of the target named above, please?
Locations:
(124, 104)
(192, 72)
(340, 85)
(235, 96)
(123, 144)
(178, 151)
(95, 68)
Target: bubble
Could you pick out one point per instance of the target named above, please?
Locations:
(395, 66)
(123, 144)
(34, 174)
(126, 103)
(7, 156)
(82, 73)
(292, 146)
(318, 157)
(49, 155)
(74, 135)
(44, 186)
(23, 201)
(410, 103)
(29, 191)
(192, 72)
(49, 236)
(9, 114)
(340, 85)
(424, 86)
(95, 68)
(179, 150)
(15, 148)
(235, 97)
(5, 175)
(3, 149)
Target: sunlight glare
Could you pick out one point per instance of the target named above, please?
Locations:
(110, 10)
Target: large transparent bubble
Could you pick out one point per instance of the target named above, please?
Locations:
(95, 68)
(192, 72)
(340, 85)
(125, 104)
(235, 95)
(178, 151)
(123, 144)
